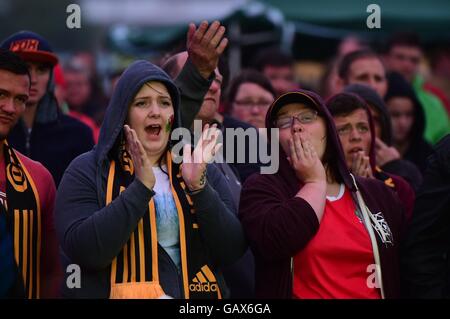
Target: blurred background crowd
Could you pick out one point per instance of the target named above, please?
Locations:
(294, 43)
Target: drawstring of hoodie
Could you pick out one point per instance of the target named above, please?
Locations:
(367, 221)
(379, 228)
(27, 131)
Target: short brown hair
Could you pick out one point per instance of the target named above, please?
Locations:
(348, 59)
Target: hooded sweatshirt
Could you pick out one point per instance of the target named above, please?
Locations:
(92, 234)
(419, 149)
(279, 225)
(400, 167)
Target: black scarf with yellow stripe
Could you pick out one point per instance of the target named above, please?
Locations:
(137, 263)
(382, 176)
(24, 221)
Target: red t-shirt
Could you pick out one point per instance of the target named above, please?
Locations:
(338, 262)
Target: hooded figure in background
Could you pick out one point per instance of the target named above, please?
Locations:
(408, 121)
(313, 214)
(172, 228)
(386, 156)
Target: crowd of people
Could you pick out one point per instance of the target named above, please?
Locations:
(357, 209)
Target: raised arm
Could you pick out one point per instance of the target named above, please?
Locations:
(205, 45)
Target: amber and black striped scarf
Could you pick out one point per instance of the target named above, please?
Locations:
(24, 220)
(382, 176)
(135, 272)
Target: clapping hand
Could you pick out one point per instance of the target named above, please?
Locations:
(194, 165)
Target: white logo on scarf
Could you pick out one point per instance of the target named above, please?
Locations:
(382, 228)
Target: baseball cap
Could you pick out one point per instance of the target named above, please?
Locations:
(30, 47)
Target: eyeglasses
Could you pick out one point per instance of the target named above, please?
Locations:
(248, 103)
(305, 117)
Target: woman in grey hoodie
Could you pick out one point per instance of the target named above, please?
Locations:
(138, 224)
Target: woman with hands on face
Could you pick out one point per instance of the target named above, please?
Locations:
(314, 228)
(194, 165)
(138, 223)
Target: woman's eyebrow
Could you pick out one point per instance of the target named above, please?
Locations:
(140, 98)
(148, 97)
(157, 91)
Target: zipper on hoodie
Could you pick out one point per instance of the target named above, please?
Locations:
(28, 141)
(292, 277)
(175, 268)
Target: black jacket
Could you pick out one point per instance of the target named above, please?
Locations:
(54, 144)
(425, 251)
(248, 167)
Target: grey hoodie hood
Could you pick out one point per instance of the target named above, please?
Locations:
(130, 82)
(111, 132)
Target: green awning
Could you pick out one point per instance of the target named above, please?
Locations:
(431, 19)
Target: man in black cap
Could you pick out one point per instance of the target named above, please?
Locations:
(44, 133)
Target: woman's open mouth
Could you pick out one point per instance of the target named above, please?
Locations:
(153, 129)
